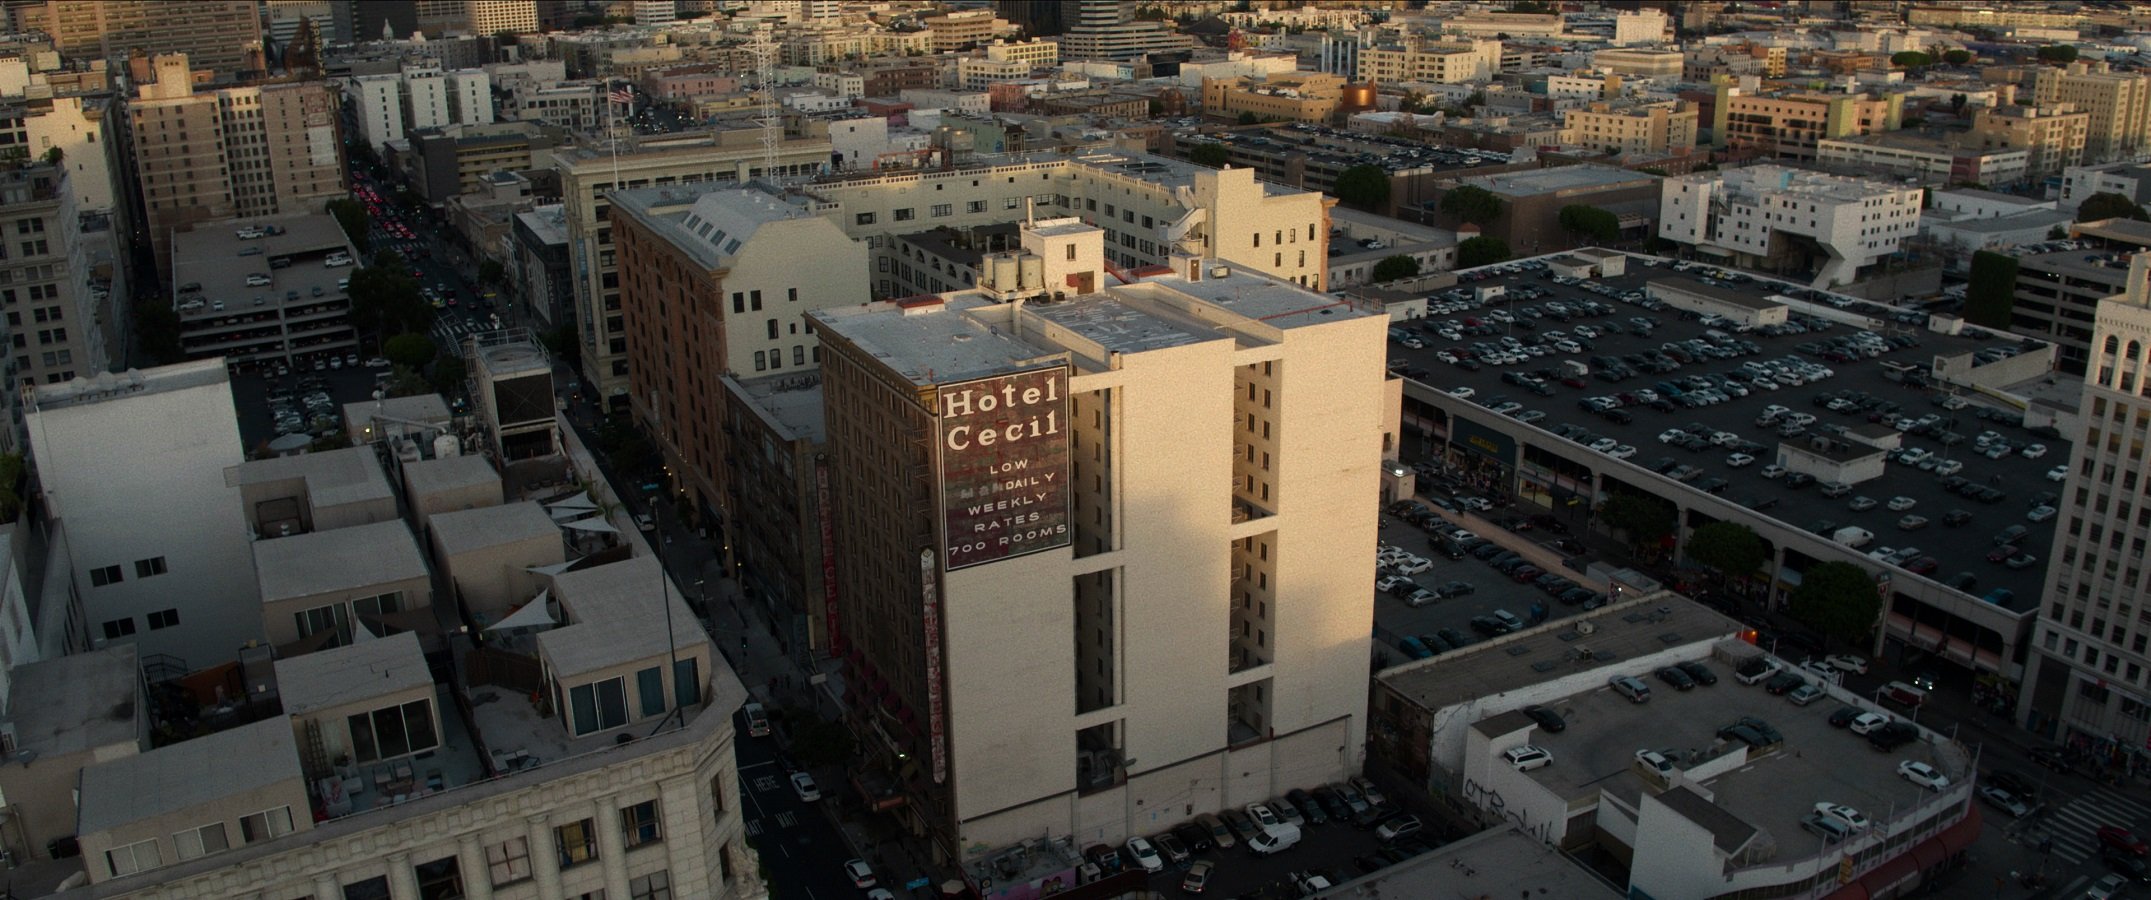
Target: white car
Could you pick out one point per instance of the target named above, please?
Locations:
(1845, 814)
(1462, 393)
(861, 874)
(1528, 757)
(1623, 451)
(1655, 761)
(1739, 459)
(1670, 435)
(2057, 473)
(1146, 854)
(1922, 774)
(803, 785)
(1414, 565)
(1900, 503)
(2040, 513)
(2033, 451)
(1948, 467)
(1603, 445)
(1264, 818)
(1868, 722)
(1774, 471)
(1847, 663)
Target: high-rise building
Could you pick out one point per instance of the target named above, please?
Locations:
(1793, 124)
(2119, 104)
(78, 125)
(2054, 136)
(155, 537)
(365, 20)
(283, 18)
(1107, 29)
(254, 150)
(654, 12)
(50, 254)
(1096, 541)
(223, 36)
(2085, 680)
(1039, 18)
(495, 16)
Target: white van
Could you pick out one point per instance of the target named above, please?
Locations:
(1275, 839)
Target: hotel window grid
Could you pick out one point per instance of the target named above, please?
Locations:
(577, 843)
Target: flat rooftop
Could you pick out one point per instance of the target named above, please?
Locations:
(710, 221)
(432, 476)
(1616, 634)
(104, 386)
(548, 223)
(325, 679)
(77, 702)
(207, 769)
(320, 562)
(1796, 509)
(333, 477)
(1497, 862)
(1771, 792)
(215, 257)
(1118, 327)
(934, 341)
(1246, 292)
(1556, 179)
(464, 530)
(399, 411)
(791, 403)
(1728, 296)
(618, 613)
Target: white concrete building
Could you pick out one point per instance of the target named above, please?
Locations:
(378, 106)
(1640, 27)
(2130, 179)
(854, 143)
(1200, 456)
(2087, 680)
(425, 99)
(1749, 213)
(132, 466)
(972, 102)
(388, 107)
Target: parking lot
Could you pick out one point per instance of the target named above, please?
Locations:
(1491, 590)
(251, 392)
(1667, 392)
(1338, 852)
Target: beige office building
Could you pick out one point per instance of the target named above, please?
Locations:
(1640, 63)
(1104, 542)
(1299, 97)
(2119, 104)
(1791, 125)
(1622, 128)
(222, 36)
(1436, 62)
(258, 150)
(2054, 136)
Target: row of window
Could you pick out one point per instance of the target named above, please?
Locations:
(143, 568)
(197, 842)
(159, 620)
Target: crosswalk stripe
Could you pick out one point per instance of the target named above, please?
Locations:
(754, 827)
(786, 820)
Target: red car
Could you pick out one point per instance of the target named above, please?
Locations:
(1524, 574)
(2002, 552)
(2124, 840)
(1925, 565)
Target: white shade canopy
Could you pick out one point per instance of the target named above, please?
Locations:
(597, 525)
(533, 615)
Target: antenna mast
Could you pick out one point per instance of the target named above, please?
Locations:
(765, 51)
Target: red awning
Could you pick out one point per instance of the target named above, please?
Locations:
(1959, 837)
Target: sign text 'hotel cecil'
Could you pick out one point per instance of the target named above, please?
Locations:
(1004, 466)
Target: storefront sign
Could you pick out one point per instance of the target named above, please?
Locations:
(1004, 466)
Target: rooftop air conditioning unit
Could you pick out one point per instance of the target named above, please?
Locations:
(1220, 271)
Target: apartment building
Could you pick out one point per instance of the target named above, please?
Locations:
(1107, 29)
(717, 283)
(590, 170)
(78, 124)
(2085, 678)
(1308, 97)
(1639, 63)
(1933, 159)
(1792, 124)
(1135, 463)
(1147, 205)
(1751, 213)
(156, 543)
(1430, 62)
(223, 36)
(2054, 136)
(489, 17)
(1990, 16)
(962, 30)
(253, 150)
(1623, 128)
(2119, 105)
(49, 255)
(459, 159)
(387, 107)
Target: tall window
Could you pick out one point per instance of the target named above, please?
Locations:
(654, 886)
(133, 858)
(509, 861)
(638, 824)
(650, 689)
(269, 823)
(440, 879)
(686, 683)
(577, 843)
(393, 732)
(598, 706)
(196, 842)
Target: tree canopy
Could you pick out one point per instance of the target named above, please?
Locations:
(1590, 223)
(1957, 57)
(1728, 548)
(2105, 205)
(351, 214)
(409, 350)
(1208, 154)
(1363, 187)
(2057, 53)
(1472, 203)
(1646, 519)
(1990, 298)
(1911, 59)
(385, 298)
(1393, 268)
(1481, 251)
(1839, 599)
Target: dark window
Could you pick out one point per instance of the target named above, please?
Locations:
(106, 575)
(163, 618)
(119, 628)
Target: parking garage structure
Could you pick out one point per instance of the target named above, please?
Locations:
(1948, 589)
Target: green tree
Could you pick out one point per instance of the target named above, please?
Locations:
(1838, 599)
(55, 155)
(1472, 203)
(1957, 57)
(2057, 53)
(351, 214)
(404, 381)
(1247, 117)
(1990, 299)
(1363, 187)
(385, 299)
(491, 273)
(1645, 519)
(409, 350)
(1590, 222)
(2105, 205)
(1481, 251)
(1728, 548)
(1956, 103)
(1394, 267)
(1911, 59)
(1209, 154)
(2057, 233)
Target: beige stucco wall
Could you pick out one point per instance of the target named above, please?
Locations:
(452, 499)
(699, 652)
(494, 579)
(336, 724)
(228, 809)
(282, 628)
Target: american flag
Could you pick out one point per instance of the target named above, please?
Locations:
(622, 95)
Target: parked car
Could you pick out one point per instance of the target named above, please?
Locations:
(1146, 854)
(1922, 774)
(1398, 827)
(1547, 720)
(2005, 801)
(1198, 878)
